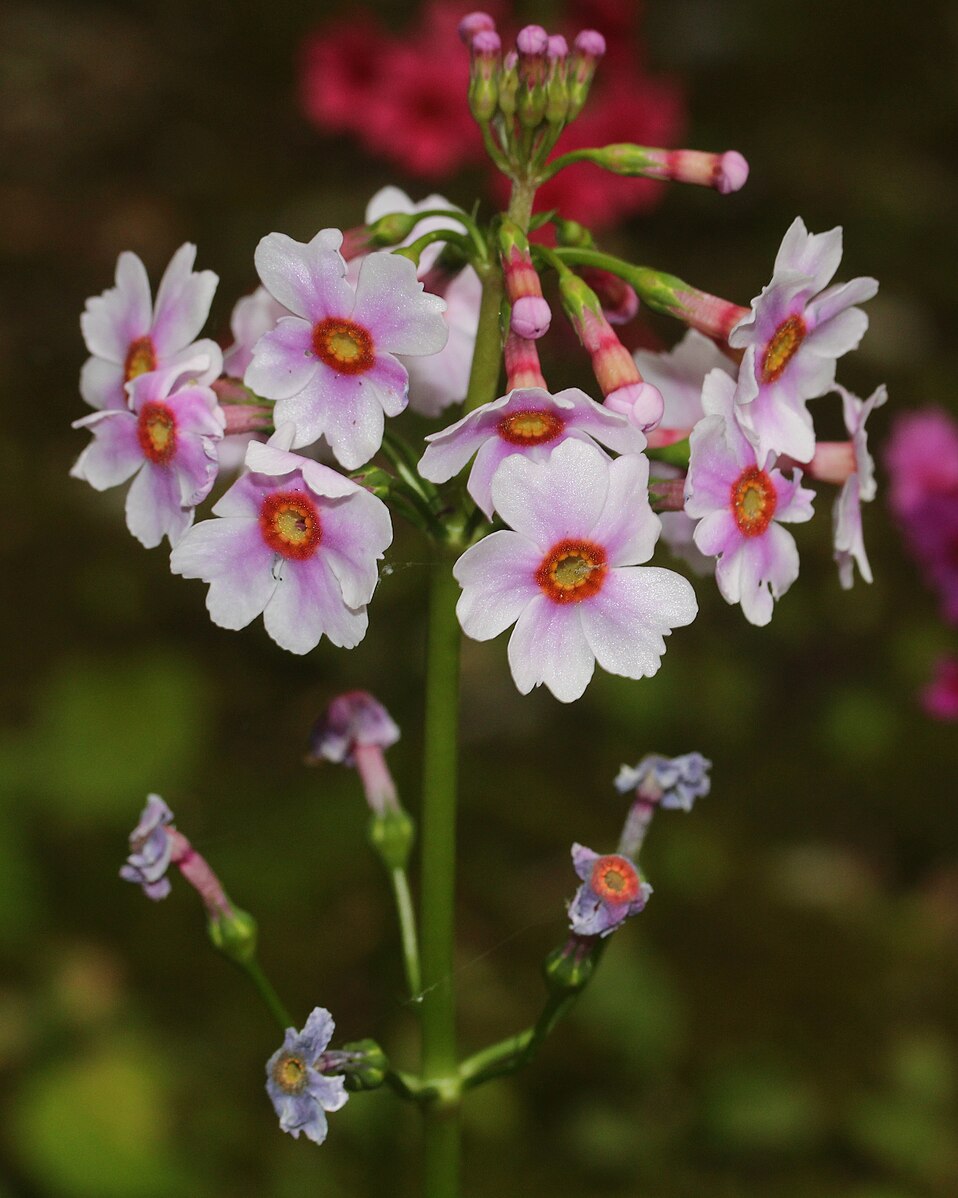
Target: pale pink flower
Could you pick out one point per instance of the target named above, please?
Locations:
(858, 488)
(567, 572)
(128, 334)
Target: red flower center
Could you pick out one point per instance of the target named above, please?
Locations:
(572, 571)
(290, 524)
(156, 432)
(615, 879)
(140, 358)
(754, 500)
(531, 427)
(343, 345)
(782, 347)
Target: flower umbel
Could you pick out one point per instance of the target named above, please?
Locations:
(300, 1093)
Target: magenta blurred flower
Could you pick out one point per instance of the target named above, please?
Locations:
(527, 421)
(940, 696)
(295, 542)
(568, 575)
(921, 457)
(739, 500)
(331, 366)
(797, 329)
(167, 439)
(128, 335)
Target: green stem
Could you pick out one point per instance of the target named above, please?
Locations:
(407, 929)
(487, 355)
(269, 996)
(516, 1051)
(438, 822)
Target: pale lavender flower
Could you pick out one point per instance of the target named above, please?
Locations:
(739, 500)
(858, 488)
(568, 576)
(669, 782)
(294, 541)
(166, 441)
(331, 366)
(354, 730)
(151, 850)
(792, 337)
(527, 421)
(300, 1093)
(128, 335)
(611, 891)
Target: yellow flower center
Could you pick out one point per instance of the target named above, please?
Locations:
(343, 345)
(782, 347)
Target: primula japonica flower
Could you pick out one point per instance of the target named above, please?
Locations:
(567, 572)
(858, 488)
(168, 439)
(300, 1093)
(436, 381)
(331, 366)
(354, 730)
(611, 891)
(669, 782)
(295, 541)
(527, 421)
(792, 338)
(128, 335)
(150, 850)
(739, 500)
(252, 316)
(679, 375)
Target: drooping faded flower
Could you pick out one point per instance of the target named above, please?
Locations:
(167, 441)
(301, 1095)
(796, 330)
(857, 489)
(669, 782)
(567, 572)
(739, 500)
(151, 850)
(354, 730)
(295, 541)
(331, 366)
(128, 334)
(611, 891)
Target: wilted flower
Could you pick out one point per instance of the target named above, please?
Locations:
(669, 782)
(300, 1093)
(354, 730)
(150, 850)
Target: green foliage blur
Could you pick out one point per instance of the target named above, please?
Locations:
(782, 1019)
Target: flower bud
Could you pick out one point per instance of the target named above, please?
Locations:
(391, 229)
(509, 85)
(569, 968)
(557, 90)
(365, 1065)
(234, 934)
(588, 48)
(474, 23)
(532, 45)
(484, 75)
(391, 836)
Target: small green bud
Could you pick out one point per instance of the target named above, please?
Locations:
(369, 1068)
(569, 968)
(391, 836)
(234, 935)
(392, 228)
(570, 232)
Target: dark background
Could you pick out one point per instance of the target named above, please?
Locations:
(782, 1019)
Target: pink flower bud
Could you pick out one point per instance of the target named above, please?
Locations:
(732, 172)
(590, 43)
(473, 23)
(531, 317)
(640, 402)
(532, 40)
(522, 363)
(558, 47)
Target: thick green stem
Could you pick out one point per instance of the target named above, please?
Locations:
(438, 832)
(487, 355)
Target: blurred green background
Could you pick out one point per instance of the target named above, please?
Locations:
(782, 1019)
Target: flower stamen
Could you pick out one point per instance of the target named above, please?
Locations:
(754, 500)
(290, 524)
(531, 427)
(782, 347)
(290, 1074)
(140, 358)
(614, 879)
(156, 432)
(343, 345)
(572, 571)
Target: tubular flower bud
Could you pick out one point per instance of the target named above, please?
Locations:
(531, 315)
(569, 968)
(725, 172)
(474, 23)
(484, 74)
(522, 363)
(532, 45)
(618, 299)
(509, 85)
(557, 88)
(588, 48)
(615, 369)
